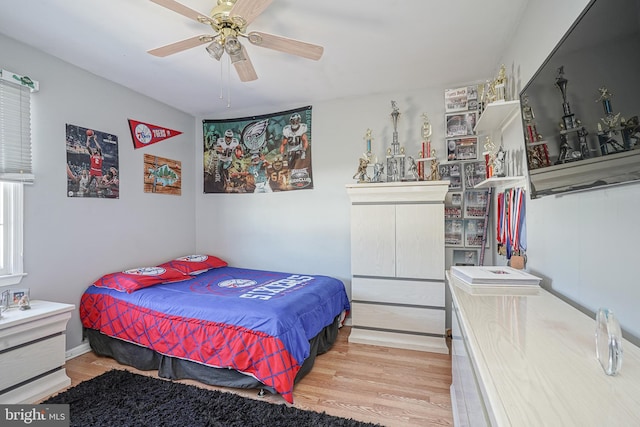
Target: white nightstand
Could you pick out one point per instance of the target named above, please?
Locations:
(32, 351)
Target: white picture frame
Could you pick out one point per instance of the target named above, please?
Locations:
(17, 295)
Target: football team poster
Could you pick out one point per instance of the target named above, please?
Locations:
(92, 163)
(260, 154)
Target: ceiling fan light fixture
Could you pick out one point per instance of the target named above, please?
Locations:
(232, 45)
(237, 56)
(215, 50)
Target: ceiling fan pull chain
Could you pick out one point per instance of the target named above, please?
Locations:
(228, 84)
(221, 80)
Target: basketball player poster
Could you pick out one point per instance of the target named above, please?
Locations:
(259, 154)
(92, 163)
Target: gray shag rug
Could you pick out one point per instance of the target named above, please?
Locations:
(120, 398)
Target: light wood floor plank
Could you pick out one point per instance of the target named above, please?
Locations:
(393, 387)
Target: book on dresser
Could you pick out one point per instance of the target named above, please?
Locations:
(492, 280)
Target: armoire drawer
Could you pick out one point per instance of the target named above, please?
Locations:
(394, 291)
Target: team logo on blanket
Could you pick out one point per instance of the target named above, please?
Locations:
(147, 271)
(237, 283)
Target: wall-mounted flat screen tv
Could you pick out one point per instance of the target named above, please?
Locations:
(580, 110)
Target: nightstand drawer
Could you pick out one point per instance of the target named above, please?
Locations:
(28, 361)
(411, 292)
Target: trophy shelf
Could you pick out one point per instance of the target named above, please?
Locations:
(588, 173)
(497, 181)
(495, 115)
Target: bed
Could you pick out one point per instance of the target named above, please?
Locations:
(215, 323)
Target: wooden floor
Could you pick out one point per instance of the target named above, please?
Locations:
(389, 386)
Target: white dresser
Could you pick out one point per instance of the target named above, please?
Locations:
(32, 351)
(530, 361)
(397, 264)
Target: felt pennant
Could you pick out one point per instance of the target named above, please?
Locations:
(144, 134)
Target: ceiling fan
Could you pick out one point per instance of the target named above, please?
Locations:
(230, 19)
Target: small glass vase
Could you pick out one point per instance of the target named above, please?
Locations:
(608, 341)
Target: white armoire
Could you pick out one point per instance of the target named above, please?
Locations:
(397, 264)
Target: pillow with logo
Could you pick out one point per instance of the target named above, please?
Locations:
(138, 278)
(194, 264)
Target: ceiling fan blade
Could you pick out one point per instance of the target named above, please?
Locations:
(286, 45)
(245, 69)
(176, 47)
(183, 10)
(249, 9)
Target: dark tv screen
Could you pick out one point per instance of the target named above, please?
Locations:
(581, 108)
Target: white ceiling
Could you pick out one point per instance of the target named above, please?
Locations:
(370, 47)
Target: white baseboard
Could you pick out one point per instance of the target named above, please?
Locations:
(77, 351)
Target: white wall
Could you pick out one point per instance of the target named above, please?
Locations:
(585, 245)
(70, 242)
(308, 230)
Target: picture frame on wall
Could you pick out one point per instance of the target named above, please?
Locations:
(453, 205)
(453, 232)
(451, 172)
(474, 173)
(461, 99)
(475, 203)
(462, 148)
(460, 124)
(465, 257)
(473, 232)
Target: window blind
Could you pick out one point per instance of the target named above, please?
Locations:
(15, 127)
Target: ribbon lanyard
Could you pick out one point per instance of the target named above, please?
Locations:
(515, 212)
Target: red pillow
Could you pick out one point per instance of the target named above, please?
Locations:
(138, 278)
(194, 264)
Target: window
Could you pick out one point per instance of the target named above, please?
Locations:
(15, 169)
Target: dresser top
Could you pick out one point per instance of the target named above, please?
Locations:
(39, 309)
(536, 362)
(405, 191)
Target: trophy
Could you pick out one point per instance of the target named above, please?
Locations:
(569, 124)
(489, 154)
(425, 150)
(537, 151)
(568, 119)
(606, 135)
(500, 85)
(367, 137)
(395, 154)
(435, 167)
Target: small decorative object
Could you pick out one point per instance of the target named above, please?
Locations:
(608, 341)
(499, 163)
(4, 301)
(19, 298)
(395, 154)
(361, 173)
